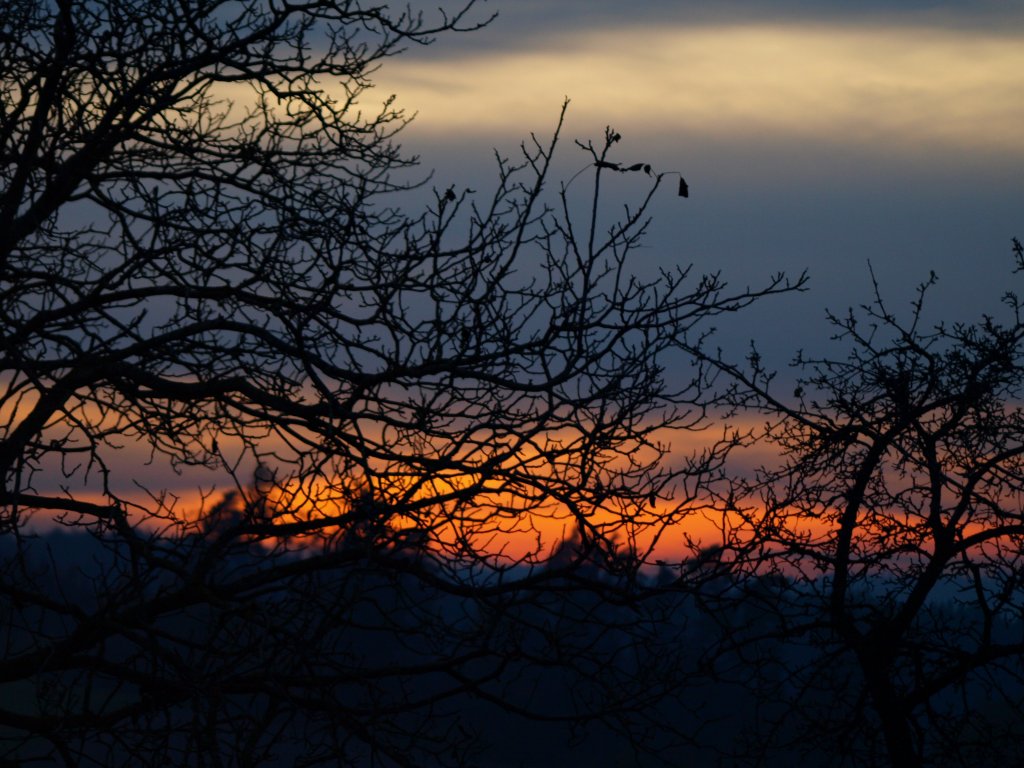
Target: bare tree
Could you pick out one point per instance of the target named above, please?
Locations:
(883, 557)
(202, 256)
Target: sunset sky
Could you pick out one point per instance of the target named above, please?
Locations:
(813, 135)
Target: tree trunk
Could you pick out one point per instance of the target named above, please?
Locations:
(892, 712)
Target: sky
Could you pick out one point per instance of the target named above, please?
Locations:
(813, 135)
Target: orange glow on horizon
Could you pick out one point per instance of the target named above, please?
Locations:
(511, 525)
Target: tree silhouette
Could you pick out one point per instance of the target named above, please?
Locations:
(890, 536)
(203, 257)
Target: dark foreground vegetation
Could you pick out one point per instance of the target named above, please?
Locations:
(208, 257)
(394, 669)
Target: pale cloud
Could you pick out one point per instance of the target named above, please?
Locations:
(894, 86)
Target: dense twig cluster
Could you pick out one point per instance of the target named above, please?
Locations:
(893, 529)
(201, 255)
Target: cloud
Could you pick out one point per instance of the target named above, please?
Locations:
(521, 24)
(864, 85)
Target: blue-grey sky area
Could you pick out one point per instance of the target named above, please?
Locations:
(817, 135)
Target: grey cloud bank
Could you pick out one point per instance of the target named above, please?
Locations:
(527, 23)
